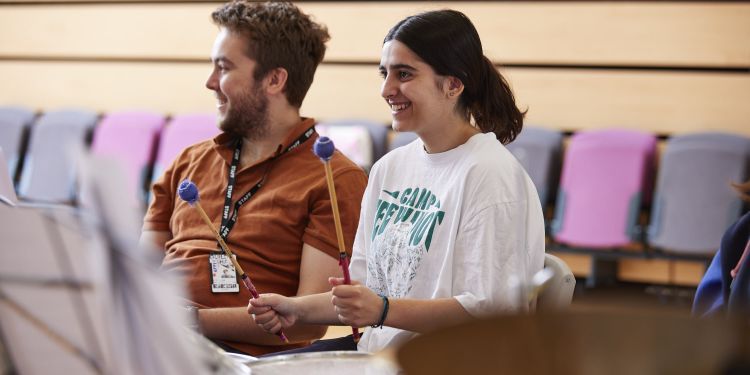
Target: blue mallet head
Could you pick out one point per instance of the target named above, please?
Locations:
(188, 191)
(323, 148)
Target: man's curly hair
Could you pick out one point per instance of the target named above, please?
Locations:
(280, 36)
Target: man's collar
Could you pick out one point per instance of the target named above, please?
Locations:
(224, 143)
(227, 140)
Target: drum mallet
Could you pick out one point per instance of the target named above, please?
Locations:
(324, 148)
(189, 193)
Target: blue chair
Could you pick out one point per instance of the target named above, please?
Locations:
(49, 171)
(14, 125)
(539, 151)
(693, 202)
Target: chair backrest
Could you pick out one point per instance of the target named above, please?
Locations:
(182, 131)
(539, 151)
(401, 139)
(130, 138)
(378, 134)
(727, 140)
(7, 191)
(352, 140)
(694, 202)
(49, 171)
(606, 176)
(14, 123)
(558, 293)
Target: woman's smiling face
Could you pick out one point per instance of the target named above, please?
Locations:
(416, 95)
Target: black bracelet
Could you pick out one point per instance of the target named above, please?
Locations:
(384, 315)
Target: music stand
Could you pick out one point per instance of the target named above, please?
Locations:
(147, 331)
(47, 312)
(78, 296)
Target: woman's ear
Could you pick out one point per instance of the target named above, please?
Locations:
(453, 87)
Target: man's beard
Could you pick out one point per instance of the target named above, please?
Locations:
(248, 116)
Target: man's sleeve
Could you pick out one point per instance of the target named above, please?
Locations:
(321, 231)
(162, 202)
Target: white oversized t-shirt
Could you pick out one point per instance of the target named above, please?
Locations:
(465, 223)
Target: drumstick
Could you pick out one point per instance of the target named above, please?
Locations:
(324, 148)
(189, 193)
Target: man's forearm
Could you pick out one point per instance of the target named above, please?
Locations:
(234, 324)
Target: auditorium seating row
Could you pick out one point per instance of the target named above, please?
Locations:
(603, 192)
(40, 149)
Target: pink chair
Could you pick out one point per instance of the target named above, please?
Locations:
(606, 176)
(130, 138)
(183, 131)
(354, 141)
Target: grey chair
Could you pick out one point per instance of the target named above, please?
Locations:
(539, 151)
(401, 139)
(693, 202)
(49, 172)
(14, 124)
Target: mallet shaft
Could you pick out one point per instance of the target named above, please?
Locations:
(245, 279)
(339, 233)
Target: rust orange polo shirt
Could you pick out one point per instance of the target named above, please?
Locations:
(291, 208)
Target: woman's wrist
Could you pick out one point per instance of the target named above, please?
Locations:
(383, 313)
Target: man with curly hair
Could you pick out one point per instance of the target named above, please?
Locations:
(259, 181)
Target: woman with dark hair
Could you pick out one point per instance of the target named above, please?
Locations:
(451, 224)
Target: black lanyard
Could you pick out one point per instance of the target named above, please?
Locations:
(227, 220)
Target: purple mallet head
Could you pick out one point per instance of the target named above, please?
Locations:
(323, 148)
(188, 191)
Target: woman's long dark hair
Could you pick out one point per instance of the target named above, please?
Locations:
(449, 43)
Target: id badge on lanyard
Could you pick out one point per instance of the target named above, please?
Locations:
(223, 274)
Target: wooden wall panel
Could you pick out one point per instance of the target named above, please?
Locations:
(669, 34)
(108, 31)
(114, 56)
(575, 33)
(562, 99)
(557, 98)
(106, 86)
(660, 271)
(662, 102)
